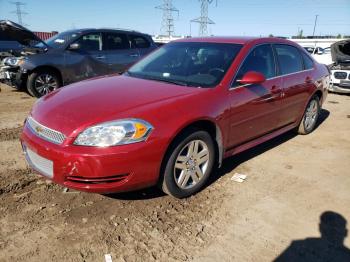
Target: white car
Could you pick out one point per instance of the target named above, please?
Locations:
(321, 55)
(340, 81)
(340, 69)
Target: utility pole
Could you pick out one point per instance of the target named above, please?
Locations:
(204, 19)
(167, 27)
(313, 33)
(19, 11)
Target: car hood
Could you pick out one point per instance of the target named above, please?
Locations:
(75, 107)
(341, 51)
(18, 33)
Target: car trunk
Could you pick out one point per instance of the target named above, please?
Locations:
(341, 53)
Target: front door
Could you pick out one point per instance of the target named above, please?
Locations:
(89, 60)
(255, 108)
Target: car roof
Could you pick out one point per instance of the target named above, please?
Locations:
(236, 40)
(87, 30)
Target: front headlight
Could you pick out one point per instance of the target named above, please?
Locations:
(114, 133)
(14, 61)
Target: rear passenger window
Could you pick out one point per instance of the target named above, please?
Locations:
(139, 41)
(308, 63)
(289, 59)
(114, 41)
(261, 60)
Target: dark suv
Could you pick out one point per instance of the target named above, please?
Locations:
(70, 56)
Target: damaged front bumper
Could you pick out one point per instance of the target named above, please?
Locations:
(13, 76)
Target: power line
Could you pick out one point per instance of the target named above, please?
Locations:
(167, 27)
(313, 33)
(19, 11)
(204, 19)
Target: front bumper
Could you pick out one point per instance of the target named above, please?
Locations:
(98, 170)
(340, 83)
(340, 88)
(13, 76)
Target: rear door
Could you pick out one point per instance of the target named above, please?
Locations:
(255, 108)
(118, 50)
(141, 43)
(297, 80)
(87, 61)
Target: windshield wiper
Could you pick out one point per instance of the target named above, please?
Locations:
(171, 81)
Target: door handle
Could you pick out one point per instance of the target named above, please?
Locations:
(100, 57)
(308, 80)
(134, 55)
(275, 90)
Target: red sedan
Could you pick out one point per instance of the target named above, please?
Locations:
(174, 115)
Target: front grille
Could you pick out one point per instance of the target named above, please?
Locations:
(96, 180)
(344, 84)
(45, 132)
(40, 164)
(340, 75)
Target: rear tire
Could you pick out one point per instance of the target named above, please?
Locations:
(310, 117)
(188, 164)
(42, 82)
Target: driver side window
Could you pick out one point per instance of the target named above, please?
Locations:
(260, 59)
(90, 42)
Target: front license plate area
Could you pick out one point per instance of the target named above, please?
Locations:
(42, 165)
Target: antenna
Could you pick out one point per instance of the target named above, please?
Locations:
(19, 11)
(204, 19)
(167, 20)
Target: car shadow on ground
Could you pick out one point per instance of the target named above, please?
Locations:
(329, 247)
(231, 163)
(228, 164)
(143, 194)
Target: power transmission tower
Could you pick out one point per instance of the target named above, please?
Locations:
(167, 20)
(204, 19)
(19, 11)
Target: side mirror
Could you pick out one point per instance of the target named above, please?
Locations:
(251, 78)
(74, 46)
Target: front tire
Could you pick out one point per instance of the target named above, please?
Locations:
(42, 82)
(310, 117)
(189, 164)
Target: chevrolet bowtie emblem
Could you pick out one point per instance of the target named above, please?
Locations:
(39, 129)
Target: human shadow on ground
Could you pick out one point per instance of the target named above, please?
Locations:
(328, 247)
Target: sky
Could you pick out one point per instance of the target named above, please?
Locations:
(231, 17)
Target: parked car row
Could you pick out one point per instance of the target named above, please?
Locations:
(70, 56)
(337, 58)
(175, 115)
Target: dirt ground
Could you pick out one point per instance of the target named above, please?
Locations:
(291, 181)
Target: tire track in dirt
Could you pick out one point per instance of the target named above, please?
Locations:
(7, 134)
(20, 180)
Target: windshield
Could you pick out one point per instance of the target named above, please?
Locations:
(59, 40)
(187, 63)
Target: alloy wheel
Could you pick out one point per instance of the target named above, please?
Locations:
(311, 115)
(45, 83)
(191, 164)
